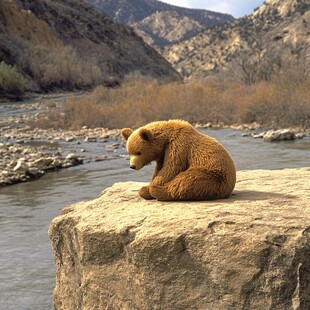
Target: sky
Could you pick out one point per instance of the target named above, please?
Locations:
(237, 8)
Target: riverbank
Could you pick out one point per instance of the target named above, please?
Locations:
(27, 153)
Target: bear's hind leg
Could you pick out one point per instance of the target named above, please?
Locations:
(194, 184)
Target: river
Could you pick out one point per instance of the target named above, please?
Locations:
(27, 271)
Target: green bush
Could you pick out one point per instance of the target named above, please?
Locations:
(12, 82)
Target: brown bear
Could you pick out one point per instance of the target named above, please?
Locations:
(189, 164)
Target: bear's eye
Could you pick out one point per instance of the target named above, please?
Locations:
(138, 153)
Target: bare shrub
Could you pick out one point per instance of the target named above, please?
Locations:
(277, 103)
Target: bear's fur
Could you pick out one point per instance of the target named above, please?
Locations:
(189, 164)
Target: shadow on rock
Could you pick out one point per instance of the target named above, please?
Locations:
(238, 195)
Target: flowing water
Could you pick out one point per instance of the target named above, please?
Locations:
(27, 272)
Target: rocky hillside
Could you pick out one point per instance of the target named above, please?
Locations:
(160, 24)
(252, 47)
(68, 44)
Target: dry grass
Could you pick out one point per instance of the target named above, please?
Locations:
(278, 103)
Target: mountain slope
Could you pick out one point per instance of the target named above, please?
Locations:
(167, 27)
(68, 44)
(276, 32)
(160, 23)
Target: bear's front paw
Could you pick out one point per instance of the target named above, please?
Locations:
(144, 192)
(160, 192)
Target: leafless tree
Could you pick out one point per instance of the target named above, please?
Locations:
(259, 62)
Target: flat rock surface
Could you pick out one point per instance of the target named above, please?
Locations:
(251, 251)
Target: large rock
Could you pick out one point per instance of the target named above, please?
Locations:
(251, 251)
(279, 135)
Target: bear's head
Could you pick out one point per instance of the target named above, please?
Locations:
(142, 146)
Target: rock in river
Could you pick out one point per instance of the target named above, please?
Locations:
(279, 135)
(250, 251)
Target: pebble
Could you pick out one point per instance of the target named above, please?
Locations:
(109, 148)
(69, 139)
(71, 156)
(90, 139)
(300, 135)
(21, 167)
(259, 136)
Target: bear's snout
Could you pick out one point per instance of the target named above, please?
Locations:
(133, 167)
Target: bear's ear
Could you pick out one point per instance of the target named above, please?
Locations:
(146, 134)
(126, 132)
